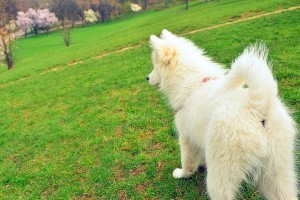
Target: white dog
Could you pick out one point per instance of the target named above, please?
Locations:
(234, 124)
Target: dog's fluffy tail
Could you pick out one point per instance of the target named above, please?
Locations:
(251, 68)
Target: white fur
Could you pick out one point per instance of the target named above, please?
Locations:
(220, 121)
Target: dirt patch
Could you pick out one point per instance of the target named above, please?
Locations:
(156, 145)
(140, 188)
(137, 171)
(122, 195)
(84, 196)
(119, 172)
(75, 62)
(147, 134)
(159, 166)
(119, 131)
(52, 189)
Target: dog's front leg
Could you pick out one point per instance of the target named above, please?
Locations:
(191, 158)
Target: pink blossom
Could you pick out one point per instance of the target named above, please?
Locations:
(36, 19)
(24, 22)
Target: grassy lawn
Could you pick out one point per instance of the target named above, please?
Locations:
(97, 130)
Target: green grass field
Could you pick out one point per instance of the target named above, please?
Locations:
(97, 130)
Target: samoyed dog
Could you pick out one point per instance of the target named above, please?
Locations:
(232, 122)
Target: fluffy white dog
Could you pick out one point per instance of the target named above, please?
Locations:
(235, 124)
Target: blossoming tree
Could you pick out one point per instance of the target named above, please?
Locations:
(35, 20)
(90, 16)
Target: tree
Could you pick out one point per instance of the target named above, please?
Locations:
(67, 9)
(135, 7)
(90, 16)
(105, 9)
(36, 4)
(7, 29)
(74, 12)
(33, 15)
(7, 40)
(95, 8)
(24, 22)
(45, 20)
(186, 4)
(35, 20)
(145, 4)
(66, 35)
(59, 8)
(9, 9)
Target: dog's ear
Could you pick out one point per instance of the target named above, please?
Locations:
(155, 42)
(168, 55)
(165, 34)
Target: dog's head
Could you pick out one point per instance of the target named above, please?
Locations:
(165, 57)
(172, 57)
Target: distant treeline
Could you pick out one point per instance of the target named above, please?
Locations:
(71, 11)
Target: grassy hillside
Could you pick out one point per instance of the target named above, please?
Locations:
(43, 52)
(97, 130)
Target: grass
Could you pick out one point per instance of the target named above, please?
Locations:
(97, 130)
(44, 52)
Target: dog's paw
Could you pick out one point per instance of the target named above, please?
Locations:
(178, 173)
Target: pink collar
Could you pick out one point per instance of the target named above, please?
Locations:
(206, 79)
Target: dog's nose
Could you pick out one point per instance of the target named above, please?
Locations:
(147, 78)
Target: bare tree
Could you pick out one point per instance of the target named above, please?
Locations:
(7, 28)
(67, 9)
(66, 35)
(186, 4)
(74, 11)
(59, 9)
(145, 4)
(105, 10)
(7, 40)
(9, 9)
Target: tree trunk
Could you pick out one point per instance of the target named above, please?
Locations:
(73, 22)
(102, 17)
(7, 54)
(63, 23)
(36, 30)
(9, 61)
(186, 4)
(145, 4)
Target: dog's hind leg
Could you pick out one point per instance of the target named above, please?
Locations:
(278, 183)
(191, 158)
(224, 178)
(231, 154)
(278, 177)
